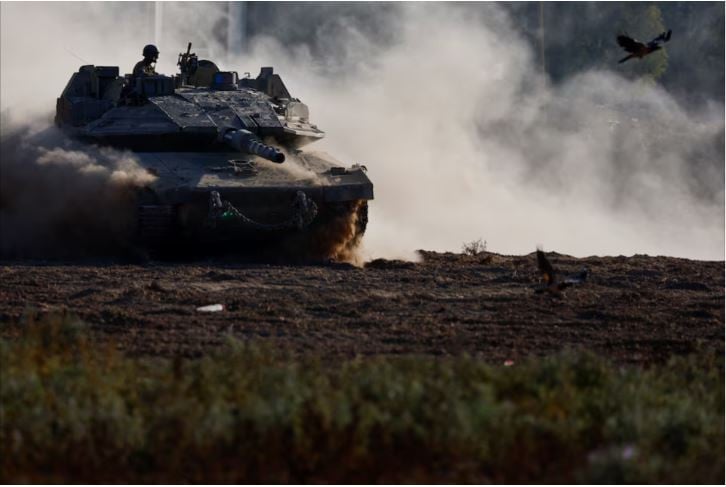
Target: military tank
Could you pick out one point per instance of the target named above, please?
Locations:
(227, 156)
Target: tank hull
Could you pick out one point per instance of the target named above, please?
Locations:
(310, 207)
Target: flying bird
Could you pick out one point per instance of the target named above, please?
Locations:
(551, 283)
(640, 50)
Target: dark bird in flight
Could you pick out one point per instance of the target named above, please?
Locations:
(640, 50)
(551, 283)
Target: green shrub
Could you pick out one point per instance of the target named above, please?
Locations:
(72, 410)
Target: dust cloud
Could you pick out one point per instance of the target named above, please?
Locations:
(464, 139)
(462, 135)
(60, 200)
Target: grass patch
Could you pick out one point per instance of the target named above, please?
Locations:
(76, 411)
(474, 248)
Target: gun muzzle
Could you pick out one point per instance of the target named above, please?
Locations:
(245, 141)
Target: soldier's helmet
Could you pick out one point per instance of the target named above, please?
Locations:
(151, 52)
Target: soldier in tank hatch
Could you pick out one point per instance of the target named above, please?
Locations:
(145, 67)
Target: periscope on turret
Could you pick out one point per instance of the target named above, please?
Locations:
(203, 133)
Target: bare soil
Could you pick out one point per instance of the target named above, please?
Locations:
(636, 309)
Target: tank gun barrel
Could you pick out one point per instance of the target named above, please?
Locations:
(245, 141)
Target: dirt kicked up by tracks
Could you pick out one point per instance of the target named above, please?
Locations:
(636, 309)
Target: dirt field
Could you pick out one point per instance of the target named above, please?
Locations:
(636, 309)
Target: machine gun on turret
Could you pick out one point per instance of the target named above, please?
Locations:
(187, 63)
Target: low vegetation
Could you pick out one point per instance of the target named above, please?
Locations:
(474, 248)
(72, 410)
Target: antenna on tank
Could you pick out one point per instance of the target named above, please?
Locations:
(75, 55)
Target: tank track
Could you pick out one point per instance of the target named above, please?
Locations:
(335, 234)
(155, 224)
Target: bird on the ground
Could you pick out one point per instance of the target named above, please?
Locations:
(640, 50)
(551, 283)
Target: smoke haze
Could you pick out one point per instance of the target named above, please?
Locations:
(462, 135)
(66, 200)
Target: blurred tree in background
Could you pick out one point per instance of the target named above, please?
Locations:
(581, 35)
(696, 52)
(577, 36)
(644, 22)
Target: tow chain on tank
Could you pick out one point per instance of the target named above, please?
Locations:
(304, 212)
